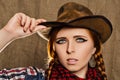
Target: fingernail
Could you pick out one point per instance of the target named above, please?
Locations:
(23, 23)
(31, 30)
(24, 30)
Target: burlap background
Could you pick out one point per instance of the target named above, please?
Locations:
(32, 50)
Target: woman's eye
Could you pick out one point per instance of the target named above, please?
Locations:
(61, 41)
(81, 40)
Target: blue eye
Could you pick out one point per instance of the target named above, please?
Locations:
(60, 41)
(80, 40)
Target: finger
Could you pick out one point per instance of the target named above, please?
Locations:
(27, 23)
(23, 18)
(40, 27)
(33, 24)
(38, 21)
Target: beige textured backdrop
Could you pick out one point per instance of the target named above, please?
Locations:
(32, 50)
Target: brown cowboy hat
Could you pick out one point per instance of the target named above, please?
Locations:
(75, 15)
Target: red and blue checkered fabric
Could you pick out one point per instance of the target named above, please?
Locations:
(22, 73)
(60, 73)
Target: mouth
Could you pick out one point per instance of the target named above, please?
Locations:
(72, 61)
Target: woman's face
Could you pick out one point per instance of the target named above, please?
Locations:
(74, 48)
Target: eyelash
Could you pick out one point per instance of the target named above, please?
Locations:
(60, 41)
(79, 40)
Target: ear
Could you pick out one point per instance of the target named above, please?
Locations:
(94, 50)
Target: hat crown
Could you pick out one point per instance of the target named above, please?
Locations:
(73, 14)
(71, 11)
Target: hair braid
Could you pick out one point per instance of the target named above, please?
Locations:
(98, 56)
(100, 64)
(48, 73)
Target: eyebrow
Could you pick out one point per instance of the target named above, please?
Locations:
(76, 36)
(79, 36)
(61, 38)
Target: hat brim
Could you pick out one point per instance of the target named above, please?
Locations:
(97, 23)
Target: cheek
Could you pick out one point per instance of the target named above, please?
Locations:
(60, 49)
(85, 51)
(61, 52)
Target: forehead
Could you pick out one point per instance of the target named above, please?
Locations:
(73, 31)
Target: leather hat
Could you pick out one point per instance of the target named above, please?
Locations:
(73, 14)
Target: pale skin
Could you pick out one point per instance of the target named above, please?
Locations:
(74, 47)
(19, 26)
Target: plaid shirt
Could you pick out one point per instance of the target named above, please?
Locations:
(22, 73)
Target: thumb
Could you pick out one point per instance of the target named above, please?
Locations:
(38, 21)
(39, 27)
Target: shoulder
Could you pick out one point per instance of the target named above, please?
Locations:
(22, 73)
(34, 73)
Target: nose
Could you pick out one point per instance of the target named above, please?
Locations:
(70, 48)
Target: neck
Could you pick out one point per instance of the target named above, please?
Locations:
(82, 72)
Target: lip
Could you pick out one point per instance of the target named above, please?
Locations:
(72, 61)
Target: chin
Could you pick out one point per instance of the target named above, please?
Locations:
(73, 69)
(76, 69)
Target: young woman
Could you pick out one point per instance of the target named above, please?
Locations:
(74, 42)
